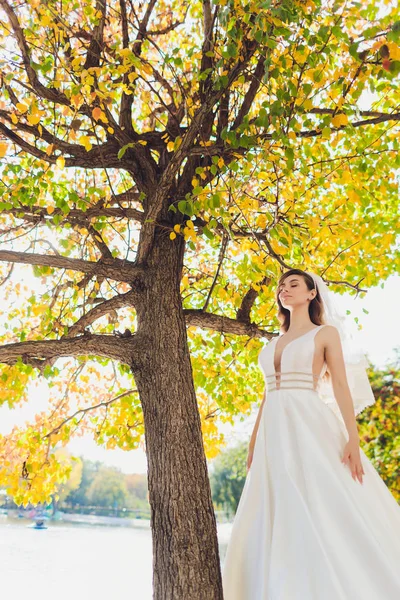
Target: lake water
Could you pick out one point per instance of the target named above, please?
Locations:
(77, 562)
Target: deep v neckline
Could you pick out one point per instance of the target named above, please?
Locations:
(276, 372)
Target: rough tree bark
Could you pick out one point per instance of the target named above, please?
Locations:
(185, 550)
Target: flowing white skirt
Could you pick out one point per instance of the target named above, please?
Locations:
(304, 528)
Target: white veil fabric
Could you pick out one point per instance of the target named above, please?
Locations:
(354, 357)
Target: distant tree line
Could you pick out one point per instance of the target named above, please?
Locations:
(104, 486)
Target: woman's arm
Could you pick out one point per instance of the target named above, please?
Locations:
(335, 361)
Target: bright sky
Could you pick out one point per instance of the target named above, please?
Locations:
(380, 334)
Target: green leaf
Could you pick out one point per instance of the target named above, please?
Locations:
(182, 204)
(122, 150)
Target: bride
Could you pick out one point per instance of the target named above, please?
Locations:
(315, 521)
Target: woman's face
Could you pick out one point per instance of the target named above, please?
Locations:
(293, 291)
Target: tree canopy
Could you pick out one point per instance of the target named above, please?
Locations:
(255, 135)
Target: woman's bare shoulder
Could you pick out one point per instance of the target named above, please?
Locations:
(330, 334)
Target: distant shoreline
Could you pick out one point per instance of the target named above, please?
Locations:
(81, 519)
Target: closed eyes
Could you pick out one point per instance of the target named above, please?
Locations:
(292, 286)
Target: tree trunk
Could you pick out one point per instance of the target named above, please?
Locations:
(186, 563)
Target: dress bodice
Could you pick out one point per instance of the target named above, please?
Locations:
(294, 369)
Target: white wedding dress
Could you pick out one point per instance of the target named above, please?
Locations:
(304, 528)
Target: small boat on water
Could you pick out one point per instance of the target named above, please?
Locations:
(39, 524)
(39, 518)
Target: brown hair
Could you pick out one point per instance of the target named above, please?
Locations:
(315, 308)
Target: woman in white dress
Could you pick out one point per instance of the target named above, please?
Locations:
(315, 521)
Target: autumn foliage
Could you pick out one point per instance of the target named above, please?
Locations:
(259, 135)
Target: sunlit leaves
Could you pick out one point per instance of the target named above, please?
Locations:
(14, 381)
(297, 174)
(379, 427)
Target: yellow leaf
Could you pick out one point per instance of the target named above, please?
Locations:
(60, 162)
(3, 149)
(76, 62)
(21, 107)
(394, 50)
(50, 209)
(14, 118)
(261, 221)
(172, 235)
(307, 104)
(177, 227)
(38, 309)
(170, 146)
(292, 135)
(299, 57)
(147, 69)
(85, 141)
(49, 149)
(340, 120)
(45, 20)
(346, 177)
(353, 196)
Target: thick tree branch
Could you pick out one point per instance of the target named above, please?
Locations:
(96, 42)
(47, 136)
(99, 157)
(37, 214)
(198, 318)
(244, 310)
(372, 121)
(251, 92)
(101, 310)
(206, 60)
(125, 118)
(32, 352)
(221, 149)
(116, 269)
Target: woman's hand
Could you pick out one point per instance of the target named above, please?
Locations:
(250, 456)
(351, 456)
